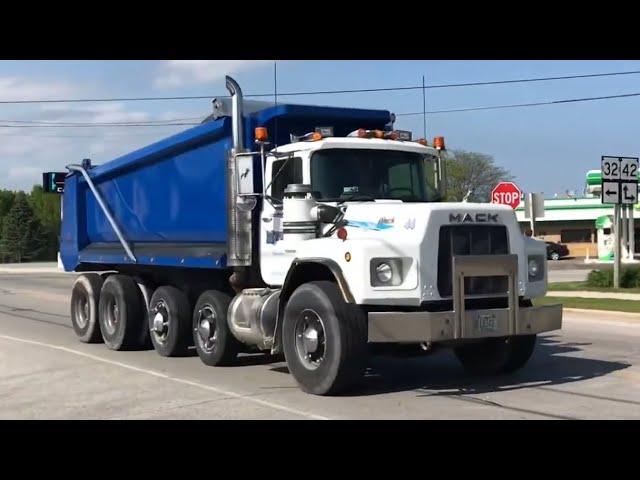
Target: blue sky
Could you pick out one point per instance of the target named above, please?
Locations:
(547, 148)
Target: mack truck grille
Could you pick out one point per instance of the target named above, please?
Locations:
(471, 240)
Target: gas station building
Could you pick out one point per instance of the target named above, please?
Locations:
(572, 221)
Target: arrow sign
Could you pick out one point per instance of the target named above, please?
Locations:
(620, 180)
(610, 192)
(629, 193)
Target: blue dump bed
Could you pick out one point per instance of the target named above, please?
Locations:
(169, 198)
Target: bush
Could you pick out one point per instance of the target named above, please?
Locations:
(629, 278)
(600, 278)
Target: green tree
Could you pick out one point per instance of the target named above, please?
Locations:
(46, 207)
(23, 235)
(6, 200)
(473, 172)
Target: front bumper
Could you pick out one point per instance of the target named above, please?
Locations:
(459, 323)
(392, 327)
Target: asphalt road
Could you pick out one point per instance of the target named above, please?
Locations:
(589, 370)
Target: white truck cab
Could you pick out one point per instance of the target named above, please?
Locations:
(419, 270)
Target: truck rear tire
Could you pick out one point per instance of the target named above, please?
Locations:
(121, 311)
(170, 322)
(324, 339)
(85, 298)
(215, 344)
(496, 355)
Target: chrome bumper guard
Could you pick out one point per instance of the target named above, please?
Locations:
(391, 327)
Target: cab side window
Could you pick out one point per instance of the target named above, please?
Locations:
(284, 173)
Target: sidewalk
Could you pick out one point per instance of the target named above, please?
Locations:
(581, 294)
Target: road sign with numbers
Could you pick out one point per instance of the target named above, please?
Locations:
(619, 180)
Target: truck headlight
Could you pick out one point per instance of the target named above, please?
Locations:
(535, 267)
(386, 272)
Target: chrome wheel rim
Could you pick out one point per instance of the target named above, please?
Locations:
(111, 315)
(160, 326)
(310, 339)
(206, 329)
(81, 311)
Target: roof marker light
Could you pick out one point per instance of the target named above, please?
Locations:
(325, 131)
(261, 134)
(403, 135)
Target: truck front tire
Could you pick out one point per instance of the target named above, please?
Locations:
(324, 339)
(215, 344)
(170, 321)
(495, 356)
(121, 312)
(85, 297)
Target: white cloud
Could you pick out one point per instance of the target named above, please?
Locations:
(24, 172)
(93, 113)
(27, 152)
(15, 88)
(179, 73)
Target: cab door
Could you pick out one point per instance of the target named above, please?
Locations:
(274, 258)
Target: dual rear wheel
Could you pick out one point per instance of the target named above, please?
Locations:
(127, 314)
(111, 309)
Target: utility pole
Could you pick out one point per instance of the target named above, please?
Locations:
(424, 109)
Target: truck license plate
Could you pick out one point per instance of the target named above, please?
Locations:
(487, 322)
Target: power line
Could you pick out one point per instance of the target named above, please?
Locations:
(124, 122)
(518, 105)
(324, 92)
(102, 134)
(94, 125)
(453, 110)
(539, 79)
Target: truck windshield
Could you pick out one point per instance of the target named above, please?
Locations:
(366, 174)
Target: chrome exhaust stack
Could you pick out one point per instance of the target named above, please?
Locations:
(239, 218)
(236, 114)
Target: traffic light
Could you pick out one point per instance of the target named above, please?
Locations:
(53, 182)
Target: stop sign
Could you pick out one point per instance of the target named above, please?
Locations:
(506, 193)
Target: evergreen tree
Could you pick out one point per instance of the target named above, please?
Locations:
(23, 236)
(46, 206)
(6, 200)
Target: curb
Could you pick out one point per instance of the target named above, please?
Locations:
(598, 295)
(608, 312)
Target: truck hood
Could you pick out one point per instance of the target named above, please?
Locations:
(385, 219)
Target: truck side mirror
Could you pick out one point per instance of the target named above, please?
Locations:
(244, 181)
(244, 174)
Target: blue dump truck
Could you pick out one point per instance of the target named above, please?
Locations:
(316, 232)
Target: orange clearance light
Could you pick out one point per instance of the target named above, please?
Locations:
(422, 141)
(362, 133)
(378, 133)
(342, 233)
(392, 136)
(261, 134)
(315, 136)
(438, 142)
